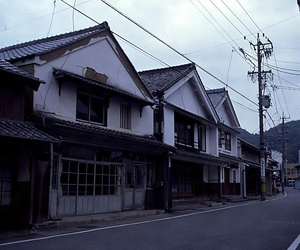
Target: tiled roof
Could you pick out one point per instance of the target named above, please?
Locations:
(42, 46)
(62, 73)
(23, 130)
(164, 78)
(10, 68)
(100, 130)
(202, 157)
(216, 91)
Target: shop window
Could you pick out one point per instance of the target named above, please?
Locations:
(90, 108)
(85, 178)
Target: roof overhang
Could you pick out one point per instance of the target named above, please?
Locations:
(23, 130)
(62, 75)
(98, 136)
(11, 73)
(199, 158)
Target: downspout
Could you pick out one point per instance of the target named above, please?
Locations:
(169, 191)
(31, 188)
(244, 183)
(50, 179)
(220, 182)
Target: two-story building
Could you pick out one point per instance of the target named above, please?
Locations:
(186, 118)
(25, 156)
(95, 103)
(227, 141)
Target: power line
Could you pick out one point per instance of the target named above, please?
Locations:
(176, 51)
(236, 50)
(229, 20)
(249, 16)
(127, 41)
(238, 18)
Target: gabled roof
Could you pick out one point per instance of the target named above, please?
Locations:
(23, 130)
(164, 78)
(47, 45)
(41, 46)
(11, 70)
(220, 97)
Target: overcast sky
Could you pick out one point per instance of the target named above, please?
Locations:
(210, 33)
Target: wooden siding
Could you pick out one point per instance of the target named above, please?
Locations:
(12, 102)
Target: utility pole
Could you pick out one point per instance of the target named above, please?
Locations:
(263, 49)
(283, 165)
(283, 156)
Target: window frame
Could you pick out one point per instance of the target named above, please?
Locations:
(228, 140)
(202, 137)
(89, 114)
(184, 131)
(125, 116)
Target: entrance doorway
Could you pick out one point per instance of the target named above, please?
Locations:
(134, 186)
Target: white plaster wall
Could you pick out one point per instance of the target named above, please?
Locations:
(234, 146)
(212, 140)
(98, 55)
(169, 129)
(223, 115)
(47, 98)
(101, 57)
(140, 124)
(186, 98)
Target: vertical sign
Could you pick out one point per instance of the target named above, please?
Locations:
(262, 167)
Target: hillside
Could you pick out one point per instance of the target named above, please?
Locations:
(273, 139)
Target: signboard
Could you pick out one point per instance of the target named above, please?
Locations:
(262, 167)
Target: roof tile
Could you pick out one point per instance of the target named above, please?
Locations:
(10, 68)
(164, 78)
(44, 45)
(23, 130)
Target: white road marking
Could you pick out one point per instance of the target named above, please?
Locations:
(295, 244)
(131, 224)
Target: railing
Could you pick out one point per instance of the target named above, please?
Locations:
(186, 144)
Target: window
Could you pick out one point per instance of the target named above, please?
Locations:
(125, 116)
(5, 186)
(86, 178)
(149, 175)
(184, 131)
(227, 141)
(202, 137)
(90, 108)
(220, 138)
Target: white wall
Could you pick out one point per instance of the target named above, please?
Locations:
(100, 56)
(187, 99)
(169, 128)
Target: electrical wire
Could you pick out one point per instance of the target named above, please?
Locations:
(229, 20)
(249, 16)
(52, 17)
(176, 51)
(238, 18)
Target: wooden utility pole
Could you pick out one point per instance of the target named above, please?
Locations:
(283, 156)
(263, 49)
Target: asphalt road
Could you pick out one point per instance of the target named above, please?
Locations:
(271, 224)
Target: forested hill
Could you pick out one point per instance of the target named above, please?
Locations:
(273, 139)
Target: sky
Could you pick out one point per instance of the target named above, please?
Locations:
(210, 33)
